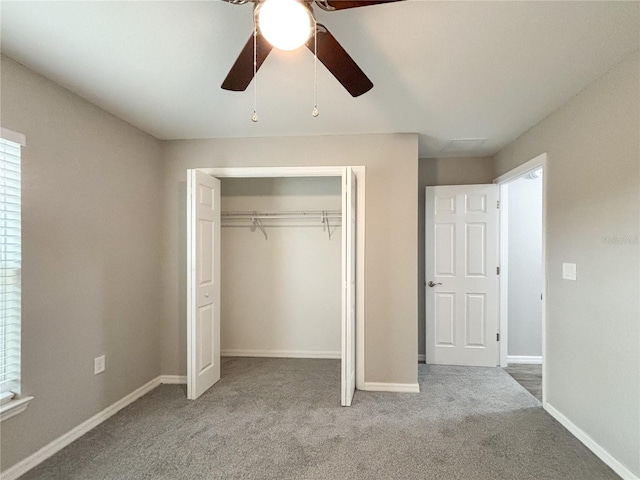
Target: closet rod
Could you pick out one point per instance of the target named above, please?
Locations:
(278, 215)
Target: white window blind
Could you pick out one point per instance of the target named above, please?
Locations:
(10, 269)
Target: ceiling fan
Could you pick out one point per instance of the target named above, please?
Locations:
(272, 28)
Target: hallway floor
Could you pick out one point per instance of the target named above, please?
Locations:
(529, 376)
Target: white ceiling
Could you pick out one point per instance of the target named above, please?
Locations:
(447, 70)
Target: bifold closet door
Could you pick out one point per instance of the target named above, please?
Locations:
(348, 286)
(203, 284)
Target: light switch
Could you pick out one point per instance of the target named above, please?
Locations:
(569, 271)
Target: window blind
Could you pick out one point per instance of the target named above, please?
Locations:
(10, 269)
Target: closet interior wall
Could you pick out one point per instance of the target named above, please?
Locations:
(280, 295)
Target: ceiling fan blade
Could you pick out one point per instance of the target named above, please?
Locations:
(339, 63)
(241, 73)
(344, 4)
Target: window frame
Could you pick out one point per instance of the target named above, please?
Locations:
(16, 402)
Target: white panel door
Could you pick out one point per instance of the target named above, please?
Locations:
(203, 284)
(348, 287)
(461, 240)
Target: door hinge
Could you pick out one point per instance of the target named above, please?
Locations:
(498, 203)
(497, 270)
(497, 337)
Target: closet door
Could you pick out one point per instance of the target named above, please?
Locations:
(203, 283)
(349, 286)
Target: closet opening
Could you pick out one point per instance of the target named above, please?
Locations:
(275, 267)
(281, 278)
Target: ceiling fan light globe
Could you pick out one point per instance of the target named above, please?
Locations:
(286, 24)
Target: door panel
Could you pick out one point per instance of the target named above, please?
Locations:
(445, 306)
(475, 331)
(445, 204)
(476, 203)
(475, 246)
(205, 260)
(461, 260)
(445, 241)
(203, 283)
(205, 349)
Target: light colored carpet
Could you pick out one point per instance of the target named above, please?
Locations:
(281, 419)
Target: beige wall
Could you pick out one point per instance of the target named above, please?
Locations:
(443, 171)
(91, 252)
(593, 324)
(391, 238)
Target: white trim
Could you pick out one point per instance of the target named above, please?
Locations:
(58, 444)
(191, 282)
(12, 136)
(281, 354)
(173, 379)
(591, 444)
(14, 407)
(252, 172)
(502, 180)
(522, 170)
(524, 360)
(360, 249)
(391, 387)
(503, 261)
(545, 177)
(422, 357)
(335, 171)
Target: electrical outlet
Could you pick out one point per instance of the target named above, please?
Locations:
(98, 365)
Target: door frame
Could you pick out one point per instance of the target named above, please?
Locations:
(503, 182)
(336, 171)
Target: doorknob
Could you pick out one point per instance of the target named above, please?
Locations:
(431, 284)
(206, 295)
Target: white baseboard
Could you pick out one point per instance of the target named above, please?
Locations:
(422, 357)
(591, 444)
(58, 444)
(391, 387)
(173, 379)
(524, 360)
(280, 354)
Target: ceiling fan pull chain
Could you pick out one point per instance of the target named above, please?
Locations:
(254, 117)
(314, 112)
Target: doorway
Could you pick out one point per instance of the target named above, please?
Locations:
(522, 282)
(203, 230)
